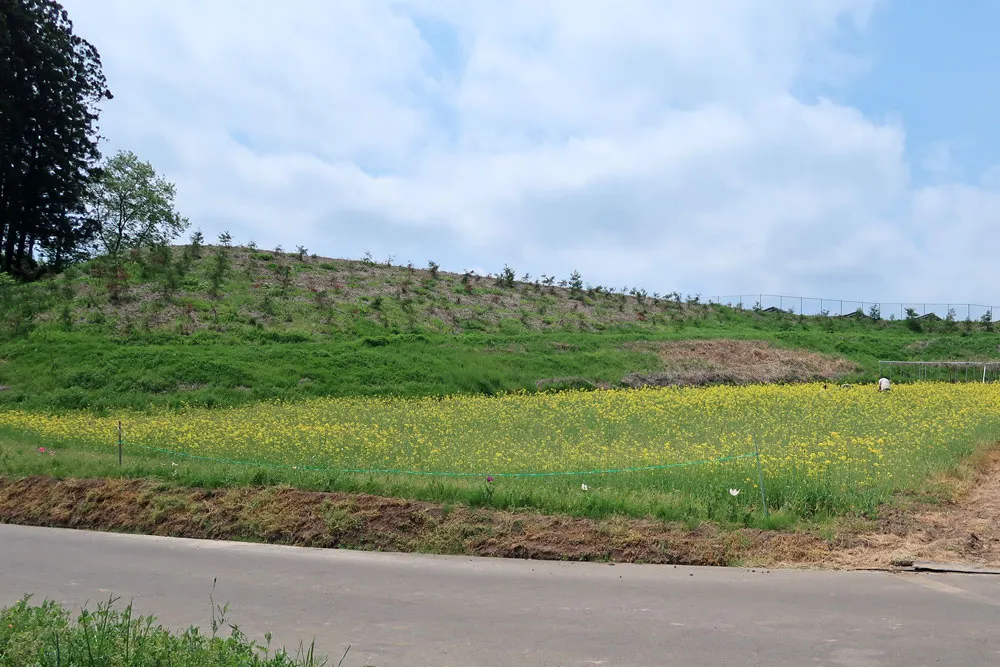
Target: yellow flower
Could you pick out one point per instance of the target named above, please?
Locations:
(844, 444)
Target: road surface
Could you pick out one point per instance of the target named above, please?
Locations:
(412, 610)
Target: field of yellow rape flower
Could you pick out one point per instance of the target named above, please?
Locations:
(674, 453)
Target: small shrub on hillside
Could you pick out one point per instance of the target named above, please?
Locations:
(576, 282)
(114, 277)
(949, 321)
(433, 267)
(160, 256)
(507, 277)
(66, 290)
(197, 241)
(146, 271)
(267, 305)
(66, 317)
(284, 274)
(169, 282)
(218, 272)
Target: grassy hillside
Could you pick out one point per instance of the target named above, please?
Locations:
(221, 326)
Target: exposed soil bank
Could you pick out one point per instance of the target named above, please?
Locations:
(967, 531)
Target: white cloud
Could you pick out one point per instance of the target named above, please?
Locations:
(650, 142)
(955, 228)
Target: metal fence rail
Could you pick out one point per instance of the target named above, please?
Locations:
(947, 371)
(840, 307)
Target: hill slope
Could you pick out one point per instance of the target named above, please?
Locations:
(215, 325)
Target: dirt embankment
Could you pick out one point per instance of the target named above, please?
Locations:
(314, 519)
(965, 531)
(702, 362)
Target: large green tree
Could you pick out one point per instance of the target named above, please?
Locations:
(51, 84)
(132, 206)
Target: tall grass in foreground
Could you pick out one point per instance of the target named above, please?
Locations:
(44, 635)
(669, 453)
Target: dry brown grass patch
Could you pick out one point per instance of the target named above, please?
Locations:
(701, 362)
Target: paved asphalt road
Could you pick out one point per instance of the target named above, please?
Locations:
(428, 610)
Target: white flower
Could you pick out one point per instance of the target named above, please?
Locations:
(584, 487)
(734, 492)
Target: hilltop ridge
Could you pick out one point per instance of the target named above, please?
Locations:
(221, 325)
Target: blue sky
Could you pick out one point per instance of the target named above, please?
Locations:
(932, 62)
(835, 148)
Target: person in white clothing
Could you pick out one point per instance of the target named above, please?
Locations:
(884, 384)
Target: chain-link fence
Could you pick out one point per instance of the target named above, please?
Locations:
(853, 308)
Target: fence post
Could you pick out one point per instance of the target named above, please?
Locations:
(119, 442)
(760, 476)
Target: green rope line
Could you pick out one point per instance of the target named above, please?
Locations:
(377, 471)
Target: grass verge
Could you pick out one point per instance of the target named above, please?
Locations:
(954, 520)
(45, 635)
(910, 527)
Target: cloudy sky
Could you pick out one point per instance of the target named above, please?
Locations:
(835, 148)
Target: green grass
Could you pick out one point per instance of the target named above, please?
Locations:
(673, 496)
(670, 454)
(68, 371)
(278, 326)
(51, 369)
(45, 635)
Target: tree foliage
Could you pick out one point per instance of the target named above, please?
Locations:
(132, 206)
(51, 83)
